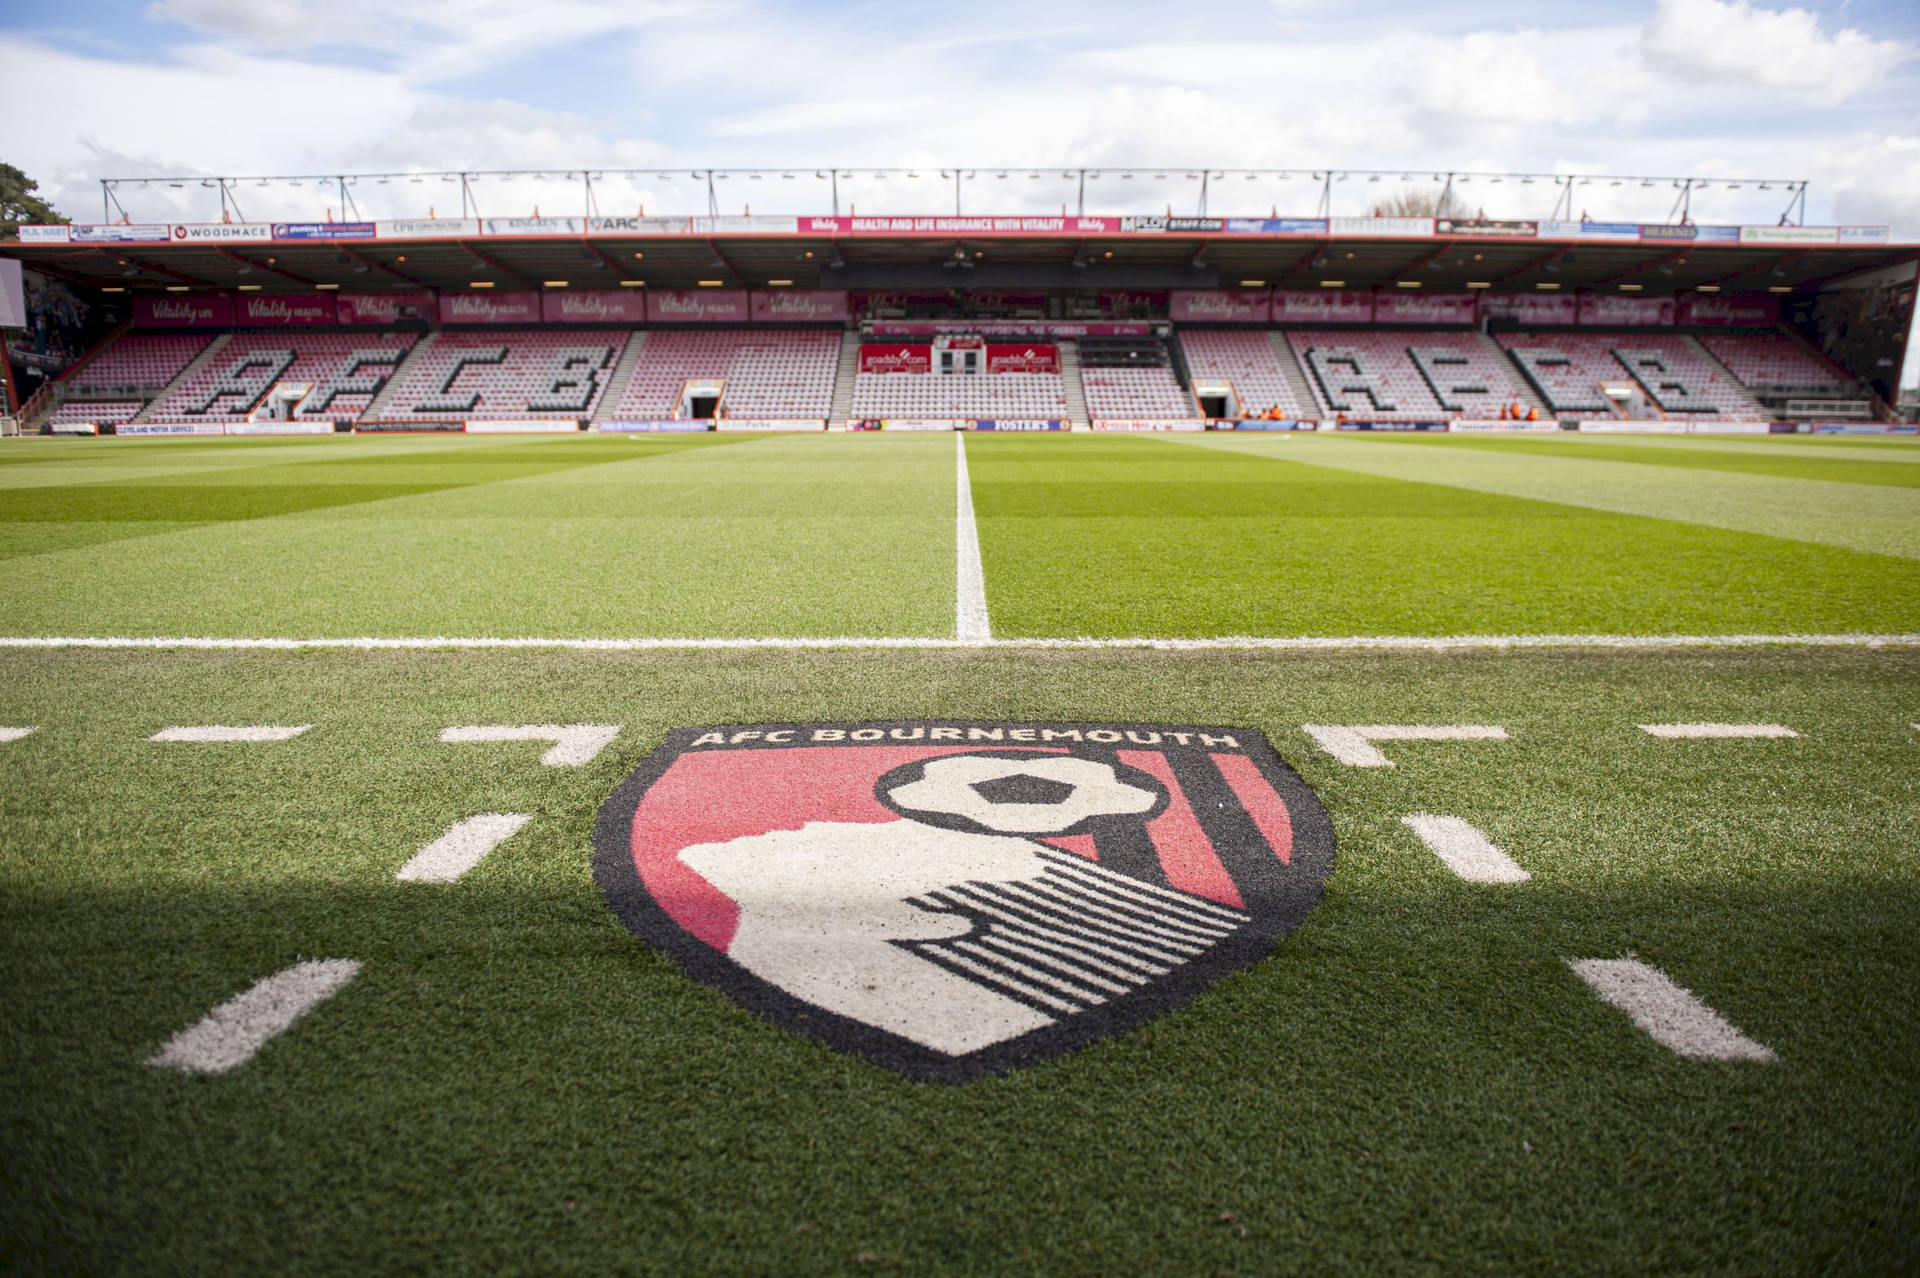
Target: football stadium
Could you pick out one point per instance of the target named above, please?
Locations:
(749, 723)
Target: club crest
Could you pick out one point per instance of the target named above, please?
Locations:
(955, 899)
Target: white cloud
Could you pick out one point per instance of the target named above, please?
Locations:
(1731, 42)
(261, 24)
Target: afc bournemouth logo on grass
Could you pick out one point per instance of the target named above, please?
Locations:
(953, 900)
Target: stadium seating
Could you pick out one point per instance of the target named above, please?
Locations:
(785, 375)
(150, 362)
(508, 373)
(1432, 374)
(228, 386)
(1246, 359)
(1774, 363)
(943, 395)
(100, 411)
(1135, 392)
(1568, 368)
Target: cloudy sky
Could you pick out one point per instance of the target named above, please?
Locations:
(1828, 92)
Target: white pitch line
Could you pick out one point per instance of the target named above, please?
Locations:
(217, 732)
(573, 743)
(1686, 731)
(14, 734)
(231, 1033)
(1352, 743)
(1299, 643)
(1464, 849)
(970, 623)
(464, 845)
(1673, 1017)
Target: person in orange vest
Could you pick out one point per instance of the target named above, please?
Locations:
(1533, 414)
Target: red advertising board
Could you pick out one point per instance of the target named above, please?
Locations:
(1023, 359)
(959, 225)
(800, 306)
(1534, 308)
(893, 358)
(697, 306)
(1614, 311)
(183, 312)
(1410, 307)
(1220, 305)
(1323, 306)
(1717, 309)
(489, 308)
(288, 309)
(598, 306)
(1011, 328)
(383, 308)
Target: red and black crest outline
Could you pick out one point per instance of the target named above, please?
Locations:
(1278, 891)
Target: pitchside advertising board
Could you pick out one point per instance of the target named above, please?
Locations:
(1150, 423)
(685, 426)
(1018, 424)
(1391, 426)
(952, 900)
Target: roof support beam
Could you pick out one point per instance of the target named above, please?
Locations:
(394, 271)
(1779, 263)
(253, 265)
(1671, 259)
(1540, 262)
(494, 263)
(613, 264)
(120, 256)
(1305, 260)
(1425, 259)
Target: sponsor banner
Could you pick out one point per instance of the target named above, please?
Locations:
(1150, 423)
(768, 423)
(1276, 226)
(1023, 359)
(1022, 424)
(416, 228)
(960, 225)
(143, 233)
(919, 423)
(43, 234)
(1657, 231)
(183, 312)
(1262, 423)
(1729, 428)
(1485, 226)
(1789, 235)
(382, 308)
(1614, 310)
(697, 306)
(1863, 234)
(299, 426)
(1621, 426)
(533, 226)
(1534, 309)
(1010, 328)
(1396, 427)
(1323, 306)
(172, 428)
(1174, 225)
(397, 426)
(1415, 307)
(75, 428)
(678, 426)
(1781, 428)
(1494, 426)
(1557, 230)
(1862, 428)
(285, 309)
(324, 230)
(1382, 227)
(893, 358)
(1220, 305)
(637, 225)
(1717, 234)
(601, 306)
(1708, 309)
(489, 308)
(800, 305)
(746, 225)
(527, 426)
(221, 232)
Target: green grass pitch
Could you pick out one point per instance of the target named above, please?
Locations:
(1414, 1081)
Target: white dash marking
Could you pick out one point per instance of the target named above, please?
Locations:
(464, 845)
(218, 732)
(1352, 743)
(573, 743)
(1671, 1016)
(970, 623)
(1680, 731)
(1464, 849)
(231, 1033)
(14, 734)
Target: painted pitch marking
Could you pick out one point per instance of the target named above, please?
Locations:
(229, 1035)
(1352, 743)
(1464, 849)
(1686, 731)
(221, 733)
(464, 845)
(1673, 1017)
(573, 743)
(14, 734)
(970, 622)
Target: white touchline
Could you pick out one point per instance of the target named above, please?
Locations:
(970, 624)
(1352, 743)
(464, 845)
(1671, 1016)
(1674, 731)
(216, 732)
(1277, 643)
(1464, 849)
(231, 1033)
(14, 734)
(573, 743)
